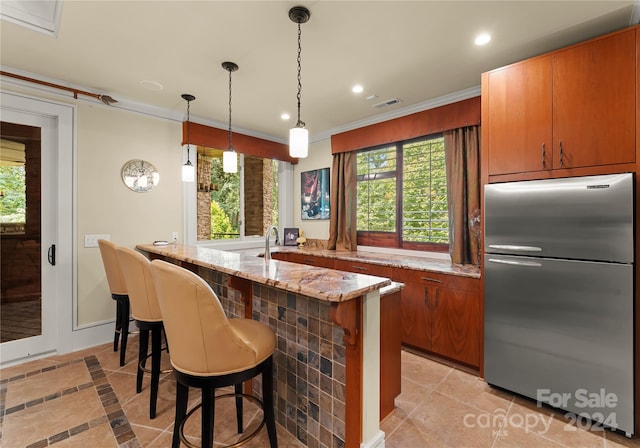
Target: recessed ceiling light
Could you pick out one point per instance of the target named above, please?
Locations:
(483, 39)
(357, 88)
(285, 116)
(151, 85)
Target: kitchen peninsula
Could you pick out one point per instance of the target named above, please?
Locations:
(327, 324)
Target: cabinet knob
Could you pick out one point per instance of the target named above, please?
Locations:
(561, 161)
(543, 156)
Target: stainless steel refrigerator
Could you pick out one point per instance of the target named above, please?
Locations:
(558, 268)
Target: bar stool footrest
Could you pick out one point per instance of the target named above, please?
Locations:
(240, 442)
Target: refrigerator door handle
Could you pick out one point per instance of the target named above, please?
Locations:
(515, 247)
(532, 264)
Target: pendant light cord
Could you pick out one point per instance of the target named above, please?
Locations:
(300, 122)
(230, 133)
(188, 132)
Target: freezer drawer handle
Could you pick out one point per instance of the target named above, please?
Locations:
(532, 264)
(514, 247)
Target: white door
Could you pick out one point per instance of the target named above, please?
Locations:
(43, 249)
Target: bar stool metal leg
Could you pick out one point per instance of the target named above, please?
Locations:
(267, 399)
(142, 357)
(182, 397)
(239, 407)
(156, 351)
(124, 319)
(117, 332)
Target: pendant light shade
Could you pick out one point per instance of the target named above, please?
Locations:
(230, 157)
(230, 161)
(298, 142)
(188, 170)
(299, 135)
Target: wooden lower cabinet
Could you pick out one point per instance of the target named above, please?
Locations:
(441, 314)
(390, 352)
(438, 313)
(415, 315)
(455, 331)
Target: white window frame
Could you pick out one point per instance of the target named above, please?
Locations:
(190, 210)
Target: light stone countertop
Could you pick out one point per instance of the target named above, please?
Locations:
(324, 284)
(383, 259)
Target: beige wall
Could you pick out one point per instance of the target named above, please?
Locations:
(107, 138)
(319, 157)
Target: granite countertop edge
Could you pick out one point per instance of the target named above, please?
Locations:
(324, 284)
(391, 260)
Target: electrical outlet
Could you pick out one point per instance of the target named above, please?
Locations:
(92, 240)
(174, 237)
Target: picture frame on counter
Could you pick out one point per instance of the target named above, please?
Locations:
(291, 234)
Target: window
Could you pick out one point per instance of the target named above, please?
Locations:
(230, 205)
(402, 195)
(13, 194)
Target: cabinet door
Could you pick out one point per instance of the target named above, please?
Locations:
(415, 314)
(519, 122)
(456, 326)
(594, 102)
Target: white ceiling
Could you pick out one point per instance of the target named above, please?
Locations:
(417, 51)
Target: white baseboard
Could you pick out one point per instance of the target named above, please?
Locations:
(92, 336)
(376, 442)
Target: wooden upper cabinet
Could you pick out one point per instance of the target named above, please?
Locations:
(519, 124)
(594, 92)
(568, 109)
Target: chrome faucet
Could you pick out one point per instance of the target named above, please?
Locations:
(267, 252)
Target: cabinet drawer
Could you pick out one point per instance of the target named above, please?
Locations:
(311, 260)
(364, 268)
(426, 278)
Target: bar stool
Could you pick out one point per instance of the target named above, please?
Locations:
(146, 312)
(118, 290)
(209, 351)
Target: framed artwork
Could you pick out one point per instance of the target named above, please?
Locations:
(315, 194)
(290, 236)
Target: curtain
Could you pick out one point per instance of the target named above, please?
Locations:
(462, 158)
(342, 224)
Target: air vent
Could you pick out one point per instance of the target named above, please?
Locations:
(386, 103)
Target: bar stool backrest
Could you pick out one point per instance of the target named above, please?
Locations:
(136, 270)
(202, 341)
(115, 279)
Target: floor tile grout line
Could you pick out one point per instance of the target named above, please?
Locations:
(36, 372)
(116, 418)
(112, 407)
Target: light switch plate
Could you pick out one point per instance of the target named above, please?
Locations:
(92, 240)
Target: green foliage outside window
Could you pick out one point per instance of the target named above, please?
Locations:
(13, 201)
(425, 216)
(415, 171)
(376, 186)
(225, 219)
(221, 227)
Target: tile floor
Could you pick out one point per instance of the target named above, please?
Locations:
(86, 399)
(20, 319)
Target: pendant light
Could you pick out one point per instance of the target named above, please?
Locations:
(230, 157)
(299, 135)
(188, 170)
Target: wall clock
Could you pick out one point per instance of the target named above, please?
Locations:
(140, 175)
